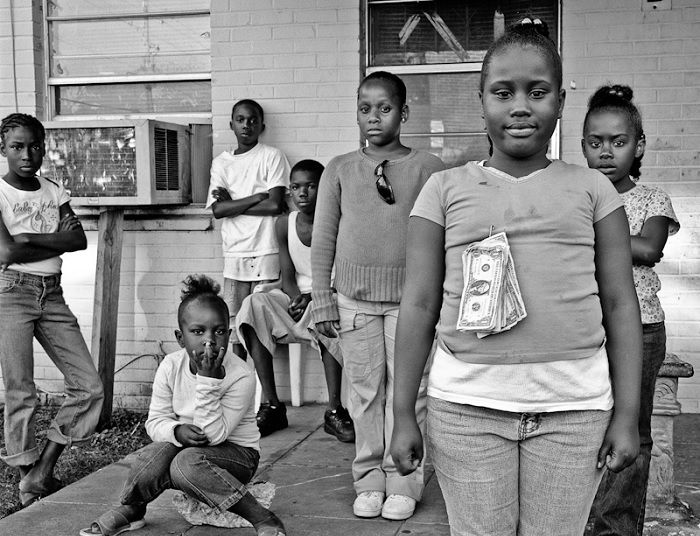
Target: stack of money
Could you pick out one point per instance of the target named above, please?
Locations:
(491, 299)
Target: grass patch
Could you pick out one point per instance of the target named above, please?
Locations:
(126, 435)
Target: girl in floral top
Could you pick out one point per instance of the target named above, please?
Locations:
(613, 142)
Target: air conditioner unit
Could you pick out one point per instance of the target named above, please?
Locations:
(121, 162)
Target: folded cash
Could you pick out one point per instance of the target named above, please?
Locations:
(491, 299)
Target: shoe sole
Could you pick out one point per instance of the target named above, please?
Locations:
(397, 517)
(339, 437)
(366, 513)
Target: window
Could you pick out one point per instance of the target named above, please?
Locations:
(128, 58)
(437, 47)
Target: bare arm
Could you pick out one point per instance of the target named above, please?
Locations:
(262, 204)
(418, 315)
(648, 246)
(623, 328)
(29, 247)
(69, 236)
(287, 269)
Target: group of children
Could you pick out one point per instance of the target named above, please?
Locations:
(521, 425)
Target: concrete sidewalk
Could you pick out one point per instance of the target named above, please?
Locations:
(314, 492)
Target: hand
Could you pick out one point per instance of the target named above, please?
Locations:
(329, 328)
(69, 222)
(190, 435)
(298, 306)
(21, 238)
(209, 363)
(620, 445)
(262, 196)
(221, 194)
(406, 446)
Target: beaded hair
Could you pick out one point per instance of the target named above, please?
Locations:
(391, 79)
(200, 287)
(618, 98)
(526, 32)
(17, 120)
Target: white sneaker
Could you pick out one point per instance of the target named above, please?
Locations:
(398, 507)
(368, 504)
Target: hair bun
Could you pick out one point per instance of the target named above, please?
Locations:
(606, 95)
(199, 284)
(531, 25)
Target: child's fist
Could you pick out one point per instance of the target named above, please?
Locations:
(190, 435)
(209, 363)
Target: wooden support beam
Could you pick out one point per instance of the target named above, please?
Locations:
(106, 307)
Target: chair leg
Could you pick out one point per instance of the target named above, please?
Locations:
(296, 373)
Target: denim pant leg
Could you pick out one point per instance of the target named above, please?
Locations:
(19, 308)
(558, 470)
(58, 332)
(504, 473)
(149, 475)
(215, 475)
(619, 506)
(476, 462)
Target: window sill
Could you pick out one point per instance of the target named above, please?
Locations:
(192, 217)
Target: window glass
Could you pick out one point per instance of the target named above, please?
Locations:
(129, 57)
(445, 31)
(130, 46)
(125, 99)
(71, 8)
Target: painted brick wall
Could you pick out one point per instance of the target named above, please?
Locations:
(658, 54)
(300, 60)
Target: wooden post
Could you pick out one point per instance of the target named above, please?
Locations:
(106, 303)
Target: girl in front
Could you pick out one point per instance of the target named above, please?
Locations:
(361, 217)
(613, 143)
(521, 423)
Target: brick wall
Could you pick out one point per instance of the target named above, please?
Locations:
(300, 59)
(658, 54)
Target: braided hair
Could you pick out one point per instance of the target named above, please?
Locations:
(618, 98)
(17, 120)
(526, 32)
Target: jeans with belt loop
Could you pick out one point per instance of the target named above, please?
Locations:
(33, 306)
(620, 504)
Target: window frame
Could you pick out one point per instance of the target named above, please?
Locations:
(52, 83)
(442, 68)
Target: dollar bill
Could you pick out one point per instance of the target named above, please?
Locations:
(491, 299)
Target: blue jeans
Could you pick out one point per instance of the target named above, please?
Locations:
(504, 473)
(215, 475)
(367, 333)
(619, 506)
(33, 306)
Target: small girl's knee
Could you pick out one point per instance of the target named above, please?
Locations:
(185, 466)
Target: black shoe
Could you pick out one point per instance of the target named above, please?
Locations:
(271, 418)
(338, 423)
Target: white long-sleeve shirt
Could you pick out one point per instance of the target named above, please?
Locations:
(222, 409)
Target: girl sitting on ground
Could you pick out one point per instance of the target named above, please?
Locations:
(202, 422)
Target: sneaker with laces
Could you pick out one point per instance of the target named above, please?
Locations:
(271, 418)
(398, 507)
(368, 504)
(338, 423)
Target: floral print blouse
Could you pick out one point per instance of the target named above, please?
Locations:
(641, 203)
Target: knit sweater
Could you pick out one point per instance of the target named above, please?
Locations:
(355, 228)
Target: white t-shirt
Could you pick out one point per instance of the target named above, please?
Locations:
(33, 212)
(568, 385)
(258, 170)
